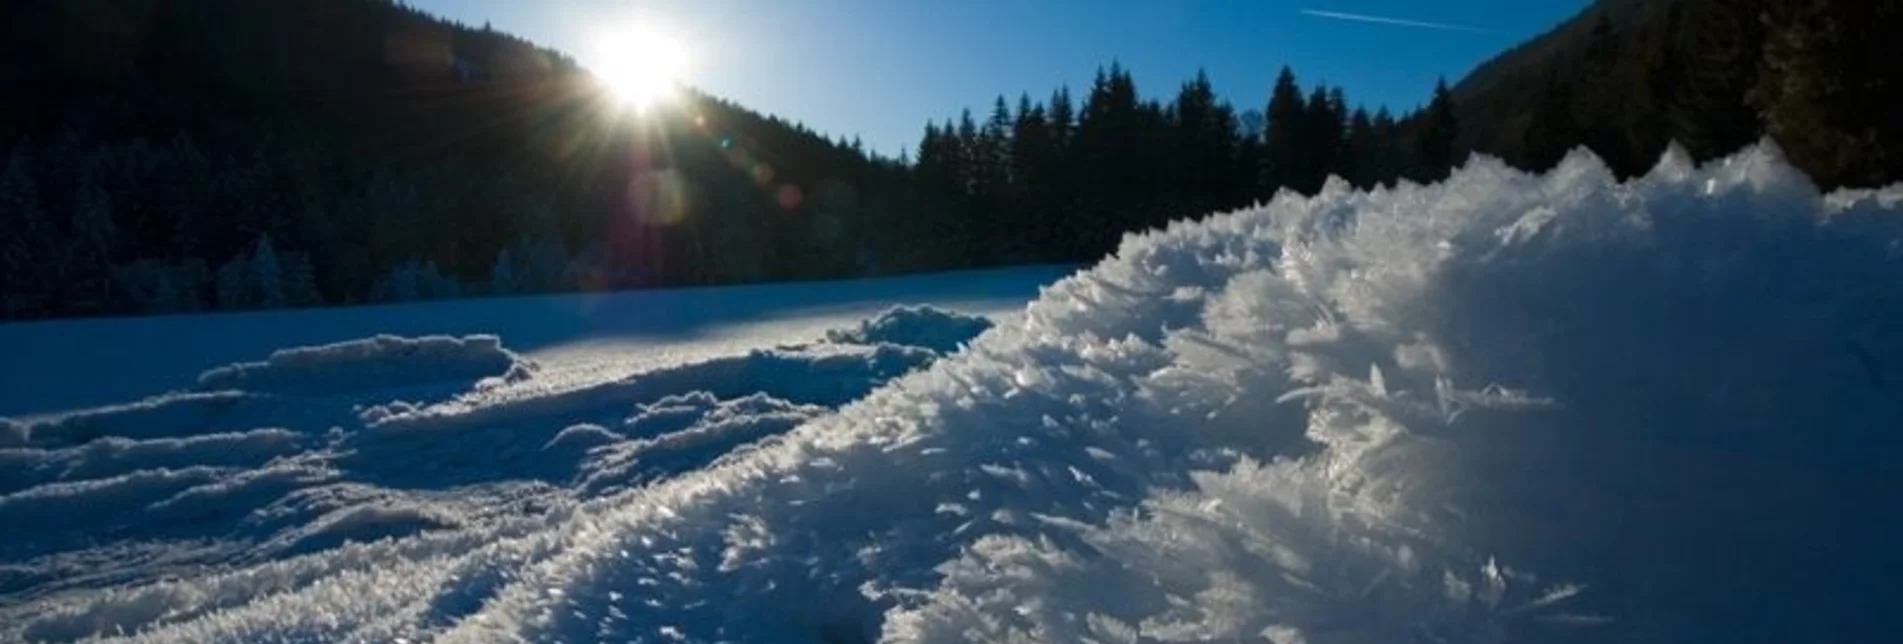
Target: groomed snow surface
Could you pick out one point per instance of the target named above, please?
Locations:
(1502, 408)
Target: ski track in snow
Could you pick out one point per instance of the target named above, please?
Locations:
(1506, 407)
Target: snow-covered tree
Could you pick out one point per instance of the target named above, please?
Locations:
(269, 274)
(300, 280)
(502, 275)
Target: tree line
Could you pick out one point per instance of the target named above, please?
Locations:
(1059, 179)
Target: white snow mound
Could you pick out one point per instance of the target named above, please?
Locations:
(384, 361)
(925, 327)
(1505, 407)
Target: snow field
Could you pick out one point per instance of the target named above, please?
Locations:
(131, 498)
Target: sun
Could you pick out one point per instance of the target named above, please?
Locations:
(641, 67)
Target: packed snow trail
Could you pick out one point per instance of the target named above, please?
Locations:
(1505, 407)
(54, 366)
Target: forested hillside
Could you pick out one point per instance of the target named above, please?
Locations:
(173, 156)
(1626, 77)
(227, 154)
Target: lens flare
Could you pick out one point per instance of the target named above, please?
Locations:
(640, 66)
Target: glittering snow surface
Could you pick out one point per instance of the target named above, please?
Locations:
(1506, 407)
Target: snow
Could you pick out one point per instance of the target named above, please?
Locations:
(55, 366)
(381, 362)
(918, 326)
(1505, 407)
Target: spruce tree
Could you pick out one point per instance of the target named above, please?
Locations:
(1359, 150)
(1390, 155)
(1321, 137)
(1553, 130)
(269, 274)
(1718, 45)
(1032, 230)
(1284, 153)
(93, 243)
(1603, 97)
(1435, 131)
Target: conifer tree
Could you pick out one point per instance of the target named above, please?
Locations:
(1283, 152)
(1435, 131)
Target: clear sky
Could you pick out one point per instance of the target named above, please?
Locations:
(880, 68)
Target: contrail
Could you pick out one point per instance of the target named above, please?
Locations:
(1398, 22)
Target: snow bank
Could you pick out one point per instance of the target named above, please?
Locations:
(382, 362)
(925, 327)
(1548, 408)
(1501, 408)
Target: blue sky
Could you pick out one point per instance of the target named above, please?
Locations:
(880, 68)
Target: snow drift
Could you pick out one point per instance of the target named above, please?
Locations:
(380, 362)
(1505, 407)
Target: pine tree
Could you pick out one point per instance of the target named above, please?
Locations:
(970, 149)
(502, 277)
(994, 162)
(1033, 165)
(968, 239)
(1335, 136)
(92, 246)
(1435, 131)
(300, 281)
(1659, 74)
(1390, 155)
(1603, 97)
(1063, 117)
(1249, 156)
(940, 175)
(1717, 45)
(1359, 150)
(1062, 186)
(1206, 177)
(269, 274)
(1284, 153)
(1320, 138)
(1553, 130)
(1112, 155)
